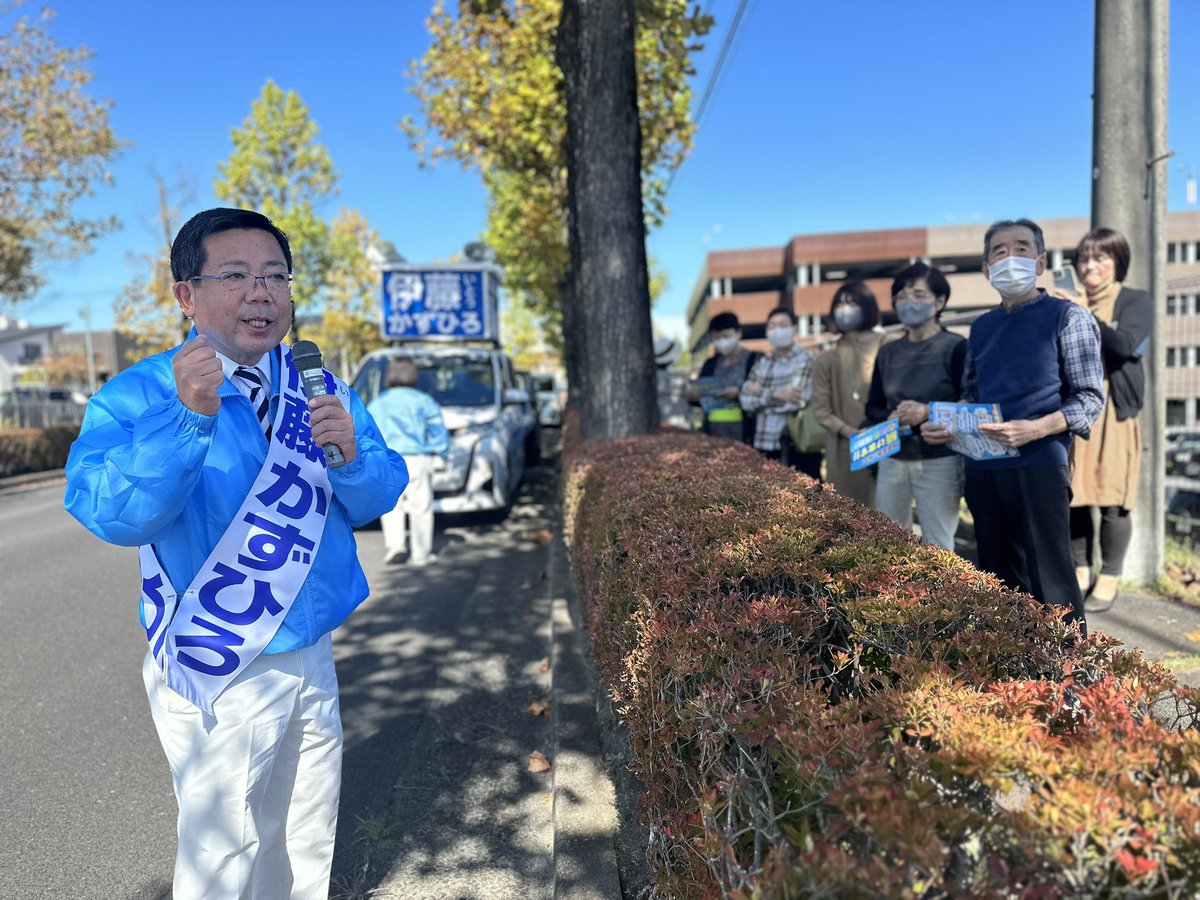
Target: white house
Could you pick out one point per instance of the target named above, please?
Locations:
(21, 346)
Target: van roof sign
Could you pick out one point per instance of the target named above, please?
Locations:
(446, 302)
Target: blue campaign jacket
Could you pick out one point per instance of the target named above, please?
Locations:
(146, 469)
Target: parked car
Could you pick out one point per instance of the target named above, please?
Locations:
(1183, 514)
(551, 394)
(1183, 457)
(533, 444)
(490, 420)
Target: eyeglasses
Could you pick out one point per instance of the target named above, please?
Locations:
(276, 282)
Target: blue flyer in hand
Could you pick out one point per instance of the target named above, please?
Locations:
(707, 388)
(963, 421)
(874, 443)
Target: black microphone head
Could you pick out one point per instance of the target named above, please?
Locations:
(305, 355)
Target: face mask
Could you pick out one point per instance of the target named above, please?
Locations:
(848, 318)
(1013, 276)
(913, 314)
(781, 338)
(725, 346)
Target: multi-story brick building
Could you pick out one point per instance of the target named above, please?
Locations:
(805, 272)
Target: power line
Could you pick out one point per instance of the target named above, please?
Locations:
(714, 75)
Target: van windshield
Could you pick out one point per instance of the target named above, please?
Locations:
(457, 380)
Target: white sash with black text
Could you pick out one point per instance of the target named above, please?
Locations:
(240, 596)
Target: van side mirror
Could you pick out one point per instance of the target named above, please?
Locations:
(515, 396)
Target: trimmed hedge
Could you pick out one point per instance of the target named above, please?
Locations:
(821, 706)
(35, 449)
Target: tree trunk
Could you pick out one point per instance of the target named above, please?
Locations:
(609, 287)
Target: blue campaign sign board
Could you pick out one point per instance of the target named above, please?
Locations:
(869, 445)
(451, 302)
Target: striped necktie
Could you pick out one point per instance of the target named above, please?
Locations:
(258, 397)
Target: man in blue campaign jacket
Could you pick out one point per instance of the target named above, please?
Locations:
(209, 458)
(1038, 357)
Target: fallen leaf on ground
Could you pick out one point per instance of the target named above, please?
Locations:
(541, 536)
(538, 762)
(526, 585)
(539, 707)
(544, 666)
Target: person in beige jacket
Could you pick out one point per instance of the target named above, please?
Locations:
(841, 380)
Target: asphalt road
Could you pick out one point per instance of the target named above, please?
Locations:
(437, 669)
(86, 808)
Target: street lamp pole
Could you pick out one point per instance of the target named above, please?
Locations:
(87, 346)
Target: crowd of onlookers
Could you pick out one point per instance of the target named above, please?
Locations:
(1051, 507)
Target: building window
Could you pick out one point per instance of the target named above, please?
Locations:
(1172, 255)
(1176, 412)
(808, 325)
(1170, 357)
(1173, 305)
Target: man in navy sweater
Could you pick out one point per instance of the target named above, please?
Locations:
(1039, 358)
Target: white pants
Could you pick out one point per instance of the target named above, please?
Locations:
(417, 503)
(935, 484)
(257, 782)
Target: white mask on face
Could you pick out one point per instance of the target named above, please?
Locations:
(781, 338)
(725, 345)
(1013, 276)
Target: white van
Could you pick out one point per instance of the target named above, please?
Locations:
(492, 432)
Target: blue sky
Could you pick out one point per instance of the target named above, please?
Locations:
(827, 116)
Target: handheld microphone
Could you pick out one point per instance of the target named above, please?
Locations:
(307, 360)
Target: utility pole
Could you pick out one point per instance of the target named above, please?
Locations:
(1129, 176)
(87, 346)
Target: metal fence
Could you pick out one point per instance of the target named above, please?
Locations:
(22, 410)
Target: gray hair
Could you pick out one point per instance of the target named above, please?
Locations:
(1038, 238)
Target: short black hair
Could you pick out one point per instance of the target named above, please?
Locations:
(922, 272)
(187, 250)
(1110, 242)
(1039, 239)
(722, 321)
(786, 310)
(861, 296)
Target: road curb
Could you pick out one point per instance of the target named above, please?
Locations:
(584, 800)
(31, 479)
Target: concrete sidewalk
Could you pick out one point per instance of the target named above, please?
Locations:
(460, 681)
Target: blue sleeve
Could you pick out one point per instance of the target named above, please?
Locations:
(138, 457)
(369, 486)
(1079, 349)
(436, 435)
(970, 385)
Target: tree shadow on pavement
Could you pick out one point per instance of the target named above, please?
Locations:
(438, 670)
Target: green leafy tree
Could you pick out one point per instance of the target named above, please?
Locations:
(491, 96)
(526, 336)
(55, 143)
(146, 312)
(349, 326)
(278, 168)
